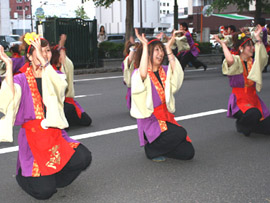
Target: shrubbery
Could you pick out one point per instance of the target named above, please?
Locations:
(110, 50)
(115, 50)
(205, 47)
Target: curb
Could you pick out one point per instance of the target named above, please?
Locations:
(114, 65)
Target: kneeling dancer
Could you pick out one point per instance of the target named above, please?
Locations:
(152, 89)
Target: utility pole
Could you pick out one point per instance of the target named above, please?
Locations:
(175, 15)
(31, 16)
(141, 21)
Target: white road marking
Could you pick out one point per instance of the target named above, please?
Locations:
(115, 77)
(122, 129)
(103, 78)
(198, 70)
(88, 95)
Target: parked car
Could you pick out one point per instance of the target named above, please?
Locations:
(16, 37)
(116, 38)
(6, 41)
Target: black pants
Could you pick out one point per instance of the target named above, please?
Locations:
(249, 122)
(188, 57)
(73, 118)
(171, 143)
(44, 187)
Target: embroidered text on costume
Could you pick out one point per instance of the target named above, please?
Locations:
(55, 157)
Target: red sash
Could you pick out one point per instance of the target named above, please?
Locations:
(71, 101)
(161, 113)
(247, 98)
(50, 150)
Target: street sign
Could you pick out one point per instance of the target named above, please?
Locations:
(39, 12)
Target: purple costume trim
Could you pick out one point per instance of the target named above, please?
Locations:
(25, 113)
(264, 37)
(79, 106)
(150, 126)
(194, 51)
(17, 64)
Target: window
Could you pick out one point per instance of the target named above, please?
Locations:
(167, 11)
(26, 0)
(168, 4)
(26, 8)
(164, 4)
(164, 11)
(19, 8)
(208, 2)
(18, 1)
(186, 11)
(160, 11)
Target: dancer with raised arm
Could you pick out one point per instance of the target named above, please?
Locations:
(191, 54)
(48, 158)
(245, 74)
(75, 114)
(152, 101)
(128, 67)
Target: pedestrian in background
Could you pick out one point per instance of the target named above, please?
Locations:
(101, 35)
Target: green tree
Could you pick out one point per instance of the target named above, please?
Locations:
(80, 13)
(261, 5)
(129, 14)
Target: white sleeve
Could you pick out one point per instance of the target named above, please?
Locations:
(141, 96)
(9, 106)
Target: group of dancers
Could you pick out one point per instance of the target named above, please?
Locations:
(40, 98)
(151, 86)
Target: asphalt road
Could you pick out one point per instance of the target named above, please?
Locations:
(227, 167)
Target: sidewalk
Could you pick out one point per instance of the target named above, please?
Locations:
(114, 65)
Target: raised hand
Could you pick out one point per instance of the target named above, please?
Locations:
(257, 32)
(62, 40)
(37, 44)
(216, 38)
(142, 37)
(172, 39)
(5, 58)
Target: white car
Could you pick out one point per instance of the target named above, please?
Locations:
(7, 41)
(214, 43)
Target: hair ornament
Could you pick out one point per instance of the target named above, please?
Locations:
(153, 40)
(242, 35)
(30, 36)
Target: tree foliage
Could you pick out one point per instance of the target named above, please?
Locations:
(105, 3)
(261, 5)
(80, 13)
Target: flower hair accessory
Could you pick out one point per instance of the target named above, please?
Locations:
(242, 35)
(30, 36)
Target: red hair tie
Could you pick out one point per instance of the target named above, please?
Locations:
(153, 40)
(245, 42)
(28, 50)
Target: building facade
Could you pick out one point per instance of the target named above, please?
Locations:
(5, 18)
(20, 16)
(113, 18)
